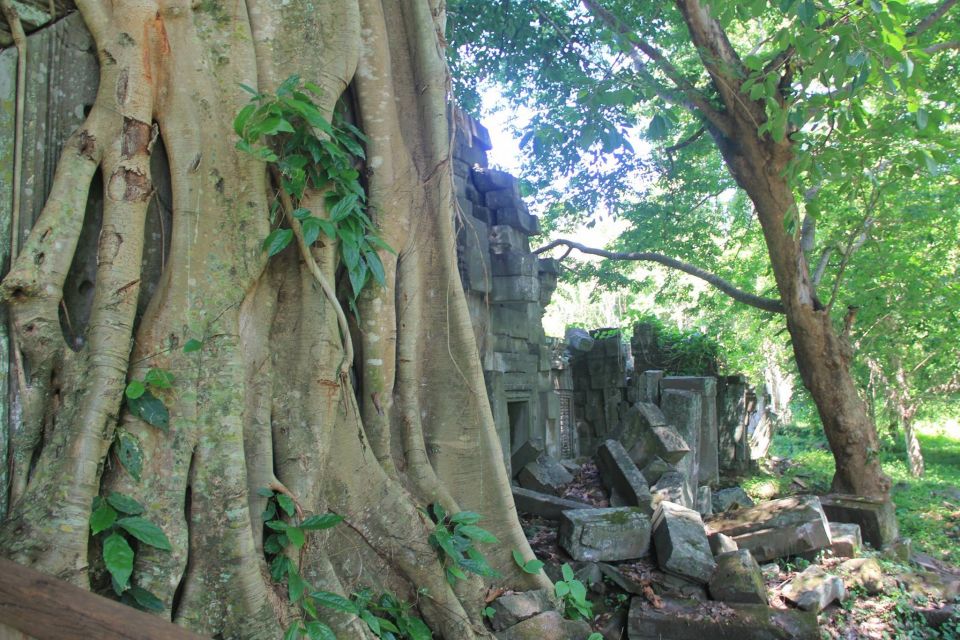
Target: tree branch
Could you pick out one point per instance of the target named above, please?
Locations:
(929, 21)
(942, 46)
(765, 304)
(693, 99)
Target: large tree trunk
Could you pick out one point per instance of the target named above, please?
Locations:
(822, 355)
(261, 403)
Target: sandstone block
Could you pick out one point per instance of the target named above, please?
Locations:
(542, 504)
(594, 535)
(620, 474)
(680, 542)
(877, 519)
(692, 620)
(738, 579)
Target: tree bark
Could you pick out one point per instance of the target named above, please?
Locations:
(261, 403)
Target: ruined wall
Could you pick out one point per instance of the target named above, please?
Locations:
(507, 289)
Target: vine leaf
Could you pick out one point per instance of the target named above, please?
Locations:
(130, 453)
(118, 557)
(277, 241)
(146, 532)
(102, 518)
(125, 504)
(150, 409)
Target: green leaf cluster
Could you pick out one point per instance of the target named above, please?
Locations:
(573, 596)
(143, 403)
(386, 616)
(118, 520)
(454, 537)
(288, 131)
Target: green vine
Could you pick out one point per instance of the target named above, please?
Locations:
(118, 521)
(288, 132)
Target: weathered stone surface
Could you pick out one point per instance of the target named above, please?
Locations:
(814, 589)
(708, 469)
(847, 542)
(545, 475)
(680, 542)
(512, 608)
(605, 534)
(542, 504)
(648, 386)
(645, 415)
(778, 528)
(731, 498)
(528, 452)
(620, 474)
(667, 444)
(518, 217)
(877, 519)
(621, 579)
(704, 502)
(656, 468)
(515, 289)
(547, 626)
(720, 543)
(738, 579)
(491, 179)
(513, 263)
(862, 573)
(733, 450)
(578, 339)
(691, 620)
(673, 487)
(683, 410)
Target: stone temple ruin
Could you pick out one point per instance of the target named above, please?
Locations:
(665, 450)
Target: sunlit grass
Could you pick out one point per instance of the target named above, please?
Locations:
(928, 508)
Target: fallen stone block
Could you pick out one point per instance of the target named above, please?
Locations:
(655, 469)
(862, 573)
(738, 579)
(692, 620)
(594, 535)
(619, 474)
(620, 579)
(543, 505)
(814, 589)
(877, 519)
(681, 544)
(515, 607)
(775, 529)
(672, 487)
(545, 475)
(847, 542)
(731, 498)
(639, 419)
(528, 452)
(547, 626)
(720, 543)
(704, 501)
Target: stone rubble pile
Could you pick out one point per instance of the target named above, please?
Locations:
(660, 465)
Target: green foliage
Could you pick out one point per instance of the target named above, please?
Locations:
(573, 596)
(528, 566)
(454, 537)
(386, 616)
(682, 351)
(288, 131)
(117, 520)
(142, 402)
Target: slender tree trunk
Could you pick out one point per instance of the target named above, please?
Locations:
(822, 355)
